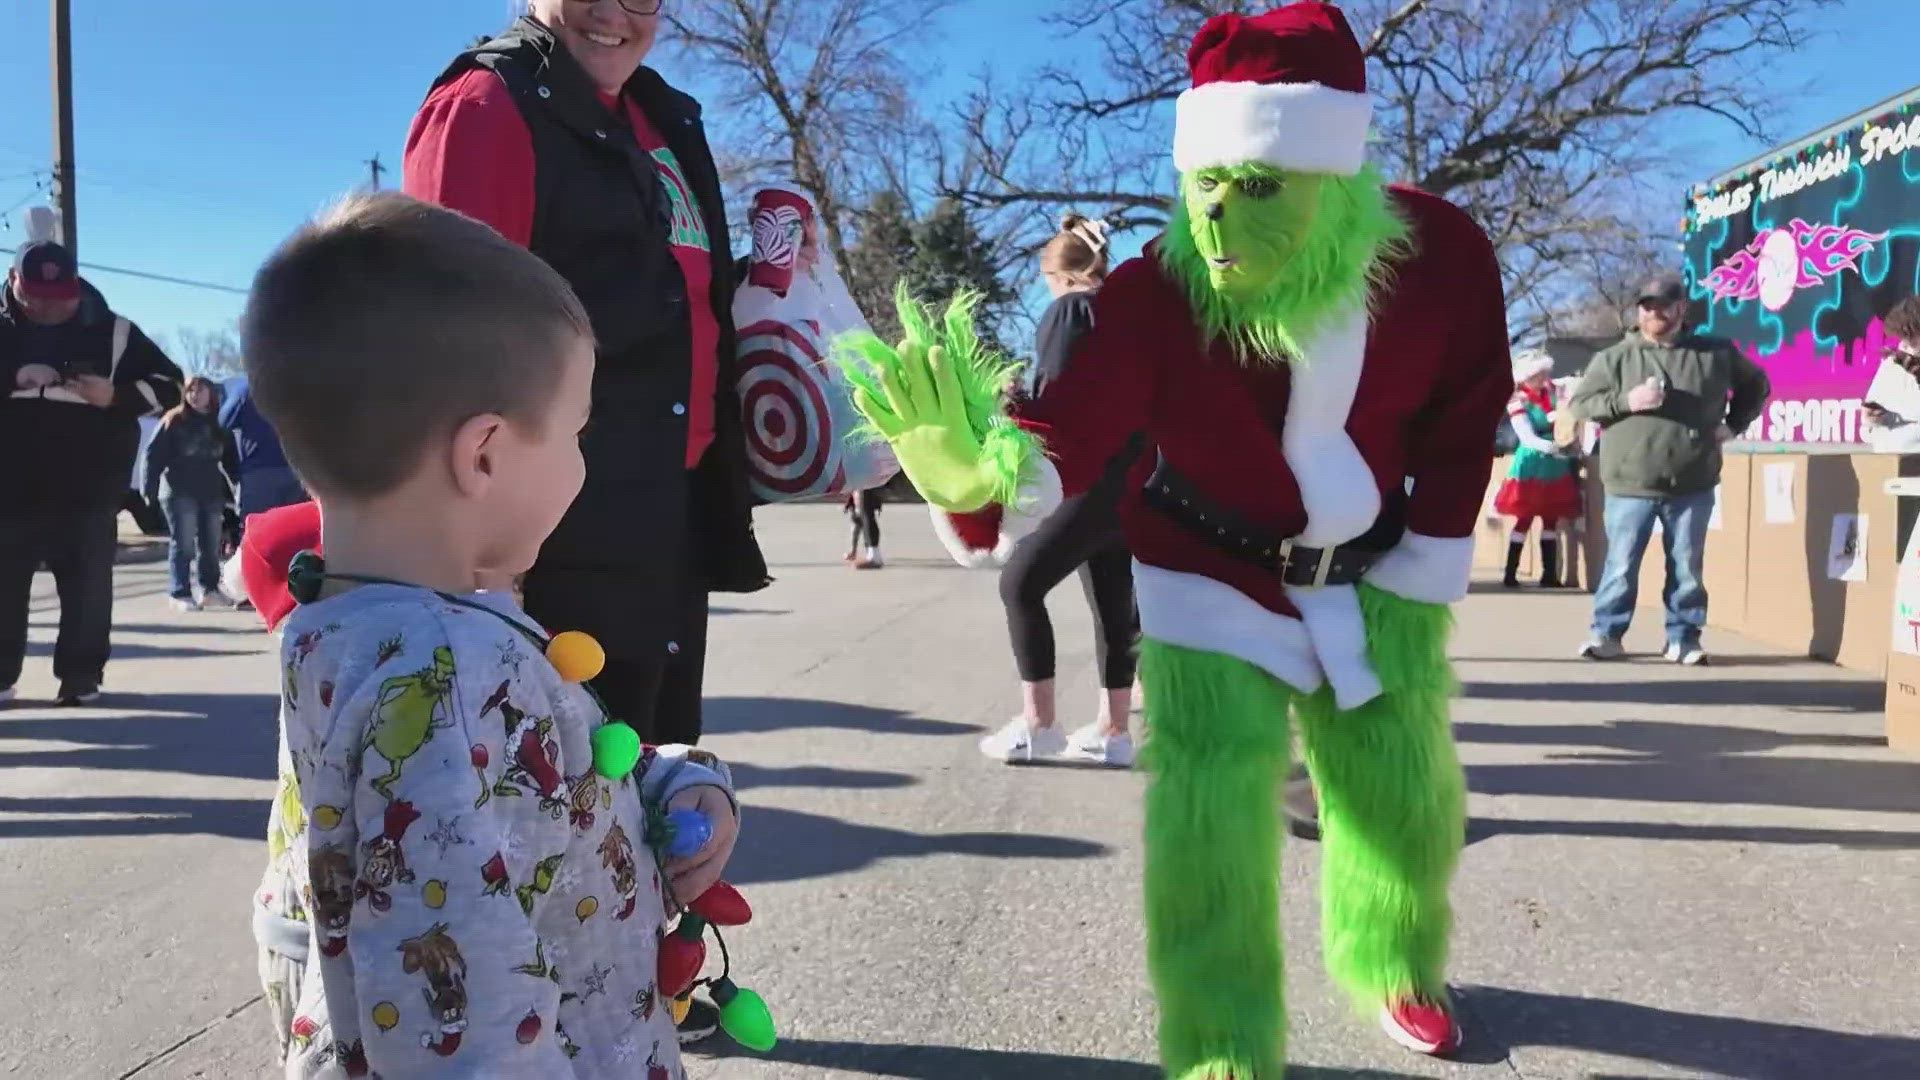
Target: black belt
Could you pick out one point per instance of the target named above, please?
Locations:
(1297, 564)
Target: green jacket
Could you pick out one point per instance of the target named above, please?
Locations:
(1675, 449)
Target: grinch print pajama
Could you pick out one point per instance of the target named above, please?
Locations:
(470, 896)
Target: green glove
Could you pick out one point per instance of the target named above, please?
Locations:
(935, 398)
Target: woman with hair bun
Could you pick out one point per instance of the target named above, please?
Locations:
(1083, 534)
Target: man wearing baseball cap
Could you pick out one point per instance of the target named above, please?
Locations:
(1665, 400)
(76, 379)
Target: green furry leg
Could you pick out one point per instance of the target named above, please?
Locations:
(1216, 751)
(1392, 808)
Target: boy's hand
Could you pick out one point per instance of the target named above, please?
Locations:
(696, 873)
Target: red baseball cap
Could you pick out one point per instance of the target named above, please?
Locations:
(44, 270)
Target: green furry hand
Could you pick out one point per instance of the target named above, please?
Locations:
(924, 418)
(935, 398)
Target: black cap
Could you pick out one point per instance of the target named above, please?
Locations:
(1664, 288)
(44, 270)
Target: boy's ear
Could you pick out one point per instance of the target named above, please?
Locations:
(475, 443)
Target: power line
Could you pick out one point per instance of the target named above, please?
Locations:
(190, 283)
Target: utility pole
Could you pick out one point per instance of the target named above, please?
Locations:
(374, 168)
(63, 178)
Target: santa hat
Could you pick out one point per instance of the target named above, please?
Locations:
(1286, 89)
(1530, 362)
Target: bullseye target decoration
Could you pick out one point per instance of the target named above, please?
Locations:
(787, 393)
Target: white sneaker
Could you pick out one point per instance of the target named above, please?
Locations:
(1602, 648)
(184, 603)
(1092, 743)
(1690, 655)
(215, 600)
(1016, 742)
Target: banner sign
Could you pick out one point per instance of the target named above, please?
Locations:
(1796, 260)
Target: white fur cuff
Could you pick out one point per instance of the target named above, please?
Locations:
(1303, 127)
(1039, 496)
(1430, 569)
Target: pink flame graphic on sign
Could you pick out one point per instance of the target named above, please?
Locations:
(1817, 252)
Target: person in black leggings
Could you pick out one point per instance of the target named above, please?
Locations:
(1083, 534)
(863, 507)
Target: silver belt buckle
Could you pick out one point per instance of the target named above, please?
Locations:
(1325, 569)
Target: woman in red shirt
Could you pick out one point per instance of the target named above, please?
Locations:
(555, 134)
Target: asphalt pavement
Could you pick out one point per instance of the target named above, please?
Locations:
(1670, 872)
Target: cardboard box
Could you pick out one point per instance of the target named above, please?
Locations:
(1865, 607)
(1779, 602)
(1726, 573)
(1903, 702)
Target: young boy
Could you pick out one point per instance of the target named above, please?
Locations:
(471, 896)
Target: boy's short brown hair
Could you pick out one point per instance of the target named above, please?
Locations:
(385, 323)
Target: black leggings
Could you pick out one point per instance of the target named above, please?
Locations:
(865, 512)
(1083, 533)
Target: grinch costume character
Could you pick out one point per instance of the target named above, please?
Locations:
(1319, 359)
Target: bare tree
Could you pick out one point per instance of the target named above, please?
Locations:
(816, 93)
(214, 354)
(1543, 118)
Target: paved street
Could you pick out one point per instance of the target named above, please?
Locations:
(1671, 873)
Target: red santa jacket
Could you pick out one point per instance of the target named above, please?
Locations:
(1404, 401)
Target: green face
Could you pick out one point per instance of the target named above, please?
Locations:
(1248, 222)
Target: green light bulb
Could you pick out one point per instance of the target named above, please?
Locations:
(744, 1016)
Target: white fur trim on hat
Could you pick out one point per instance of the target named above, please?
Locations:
(1529, 363)
(1300, 127)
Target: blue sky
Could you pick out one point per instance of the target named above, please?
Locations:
(207, 129)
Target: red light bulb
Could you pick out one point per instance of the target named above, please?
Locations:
(682, 954)
(722, 905)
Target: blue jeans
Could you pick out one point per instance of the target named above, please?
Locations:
(194, 528)
(1629, 523)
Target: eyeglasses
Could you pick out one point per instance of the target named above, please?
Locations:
(632, 7)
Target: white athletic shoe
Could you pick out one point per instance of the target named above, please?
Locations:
(1690, 655)
(1602, 648)
(215, 600)
(184, 603)
(1016, 742)
(1092, 743)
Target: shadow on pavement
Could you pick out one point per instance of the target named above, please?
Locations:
(721, 609)
(1645, 761)
(815, 776)
(731, 715)
(1479, 829)
(219, 624)
(1832, 695)
(1708, 1045)
(204, 734)
(133, 650)
(963, 1063)
(241, 819)
(791, 845)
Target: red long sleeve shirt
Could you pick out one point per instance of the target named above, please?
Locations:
(470, 150)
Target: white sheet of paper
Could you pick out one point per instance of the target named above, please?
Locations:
(1847, 548)
(1776, 484)
(1906, 599)
(1715, 522)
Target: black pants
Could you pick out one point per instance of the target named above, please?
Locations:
(1084, 533)
(865, 512)
(652, 686)
(78, 547)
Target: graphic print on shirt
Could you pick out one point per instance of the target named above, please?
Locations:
(409, 709)
(382, 860)
(331, 878)
(437, 957)
(688, 229)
